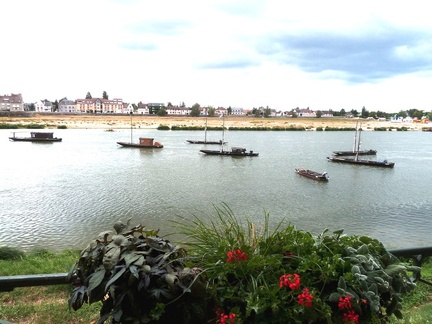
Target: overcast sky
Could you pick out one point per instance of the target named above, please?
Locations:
(278, 53)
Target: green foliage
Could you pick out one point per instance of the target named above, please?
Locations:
(139, 277)
(163, 127)
(330, 266)
(8, 126)
(35, 126)
(62, 127)
(11, 253)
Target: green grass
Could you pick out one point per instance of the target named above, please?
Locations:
(37, 305)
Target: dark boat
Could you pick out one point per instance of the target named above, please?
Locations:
(205, 142)
(143, 143)
(235, 151)
(312, 174)
(356, 160)
(36, 137)
(351, 153)
(220, 142)
(356, 147)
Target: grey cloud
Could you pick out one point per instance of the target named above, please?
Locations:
(359, 58)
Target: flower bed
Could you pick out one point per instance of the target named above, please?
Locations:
(230, 272)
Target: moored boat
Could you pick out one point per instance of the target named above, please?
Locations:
(353, 152)
(235, 151)
(356, 160)
(36, 137)
(144, 142)
(312, 174)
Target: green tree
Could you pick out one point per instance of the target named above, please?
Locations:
(104, 95)
(364, 113)
(195, 110)
(354, 112)
(318, 114)
(267, 112)
(169, 104)
(342, 112)
(161, 112)
(229, 110)
(88, 95)
(211, 111)
(55, 105)
(402, 114)
(32, 107)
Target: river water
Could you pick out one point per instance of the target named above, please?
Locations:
(61, 195)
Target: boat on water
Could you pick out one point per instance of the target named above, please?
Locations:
(205, 141)
(144, 142)
(235, 151)
(46, 137)
(356, 160)
(351, 153)
(312, 174)
(356, 146)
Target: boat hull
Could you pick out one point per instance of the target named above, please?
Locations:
(229, 153)
(30, 139)
(206, 142)
(137, 145)
(312, 174)
(382, 164)
(351, 153)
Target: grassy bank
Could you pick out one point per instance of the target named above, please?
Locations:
(50, 304)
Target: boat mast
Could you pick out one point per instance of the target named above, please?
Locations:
(205, 129)
(131, 113)
(355, 138)
(358, 141)
(223, 132)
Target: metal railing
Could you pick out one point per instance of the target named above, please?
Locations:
(8, 283)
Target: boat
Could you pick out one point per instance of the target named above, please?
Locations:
(144, 142)
(356, 146)
(350, 153)
(312, 174)
(356, 160)
(235, 151)
(220, 142)
(45, 137)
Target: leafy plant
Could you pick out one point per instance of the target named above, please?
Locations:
(235, 273)
(139, 278)
(292, 276)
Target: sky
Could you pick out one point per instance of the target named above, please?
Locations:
(281, 54)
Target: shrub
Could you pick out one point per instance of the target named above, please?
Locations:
(64, 127)
(234, 273)
(11, 253)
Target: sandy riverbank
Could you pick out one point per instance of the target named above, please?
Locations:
(141, 121)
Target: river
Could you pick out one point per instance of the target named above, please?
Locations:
(61, 195)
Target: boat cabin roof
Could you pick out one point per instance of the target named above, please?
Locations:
(41, 135)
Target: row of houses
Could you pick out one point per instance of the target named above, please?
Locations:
(14, 102)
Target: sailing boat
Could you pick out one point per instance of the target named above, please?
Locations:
(220, 142)
(356, 160)
(144, 142)
(356, 145)
(235, 151)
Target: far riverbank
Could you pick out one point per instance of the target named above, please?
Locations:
(80, 121)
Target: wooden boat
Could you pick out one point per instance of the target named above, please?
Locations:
(220, 142)
(356, 146)
(356, 160)
(144, 142)
(351, 153)
(312, 174)
(235, 151)
(36, 137)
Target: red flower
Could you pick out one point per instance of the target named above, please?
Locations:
(345, 302)
(305, 298)
(236, 255)
(224, 318)
(289, 280)
(350, 316)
